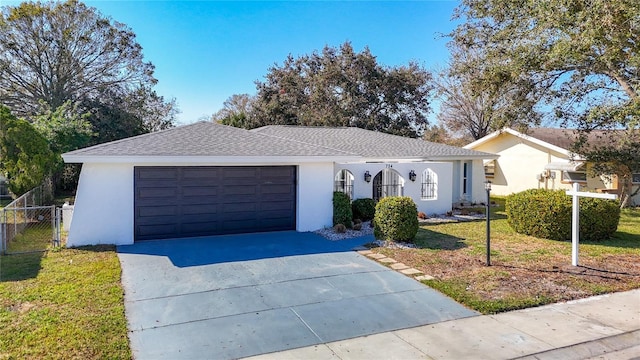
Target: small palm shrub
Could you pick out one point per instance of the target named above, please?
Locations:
(396, 218)
(547, 214)
(363, 209)
(342, 213)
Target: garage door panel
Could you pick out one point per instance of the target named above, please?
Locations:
(200, 191)
(156, 231)
(199, 229)
(158, 220)
(230, 190)
(200, 218)
(206, 173)
(197, 200)
(159, 173)
(276, 189)
(147, 211)
(239, 207)
(157, 192)
(174, 202)
(206, 208)
(271, 206)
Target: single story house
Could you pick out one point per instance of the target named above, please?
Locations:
(539, 159)
(206, 179)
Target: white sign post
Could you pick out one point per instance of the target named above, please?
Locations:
(575, 221)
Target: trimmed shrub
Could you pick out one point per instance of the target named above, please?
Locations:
(396, 218)
(363, 209)
(342, 209)
(339, 228)
(357, 226)
(547, 214)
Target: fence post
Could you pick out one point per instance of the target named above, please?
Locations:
(2, 231)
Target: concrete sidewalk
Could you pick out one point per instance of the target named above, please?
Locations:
(600, 327)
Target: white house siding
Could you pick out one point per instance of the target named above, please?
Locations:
(478, 192)
(315, 196)
(444, 171)
(103, 212)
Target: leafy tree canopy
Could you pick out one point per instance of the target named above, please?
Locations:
(582, 58)
(25, 153)
(235, 110)
(55, 52)
(340, 87)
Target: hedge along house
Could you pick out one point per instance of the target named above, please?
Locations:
(208, 179)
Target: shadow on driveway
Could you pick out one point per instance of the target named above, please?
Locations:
(241, 247)
(228, 297)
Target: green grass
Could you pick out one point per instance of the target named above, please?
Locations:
(526, 271)
(66, 303)
(458, 290)
(33, 238)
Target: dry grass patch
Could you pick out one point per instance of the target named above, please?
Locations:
(525, 271)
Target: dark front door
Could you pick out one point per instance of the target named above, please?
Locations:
(187, 201)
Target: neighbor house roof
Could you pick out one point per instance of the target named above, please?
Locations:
(534, 140)
(371, 144)
(207, 141)
(559, 140)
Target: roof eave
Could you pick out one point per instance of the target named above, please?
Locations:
(177, 160)
(426, 158)
(532, 139)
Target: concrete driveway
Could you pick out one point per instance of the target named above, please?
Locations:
(228, 297)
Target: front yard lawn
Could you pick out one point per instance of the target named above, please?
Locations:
(64, 303)
(526, 271)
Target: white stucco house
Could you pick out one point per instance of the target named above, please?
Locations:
(206, 179)
(540, 159)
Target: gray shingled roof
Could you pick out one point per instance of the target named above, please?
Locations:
(370, 144)
(211, 139)
(206, 139)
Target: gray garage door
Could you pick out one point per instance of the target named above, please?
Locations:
(173, 202)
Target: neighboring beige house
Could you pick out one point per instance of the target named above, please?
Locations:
(538, 159)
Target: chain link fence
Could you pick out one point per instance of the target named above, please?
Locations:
(26, 225)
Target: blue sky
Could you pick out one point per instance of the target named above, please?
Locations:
(206, 51)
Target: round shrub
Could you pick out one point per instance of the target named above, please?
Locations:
(547, 214)
(342, 209)
(396, 218)
(363, 209)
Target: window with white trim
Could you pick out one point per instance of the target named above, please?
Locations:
(490, 169)
(343, 182)
(429, 185)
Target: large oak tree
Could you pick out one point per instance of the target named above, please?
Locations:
(341, 87)
(55, 52)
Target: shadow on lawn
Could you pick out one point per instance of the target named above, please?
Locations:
(429, 239)
(19, 267)
(620, 239)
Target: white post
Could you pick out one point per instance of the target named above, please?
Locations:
(575, 218)
(575, 225)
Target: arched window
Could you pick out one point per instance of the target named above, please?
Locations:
(387, 183)
(429, 185)
(344, 182)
